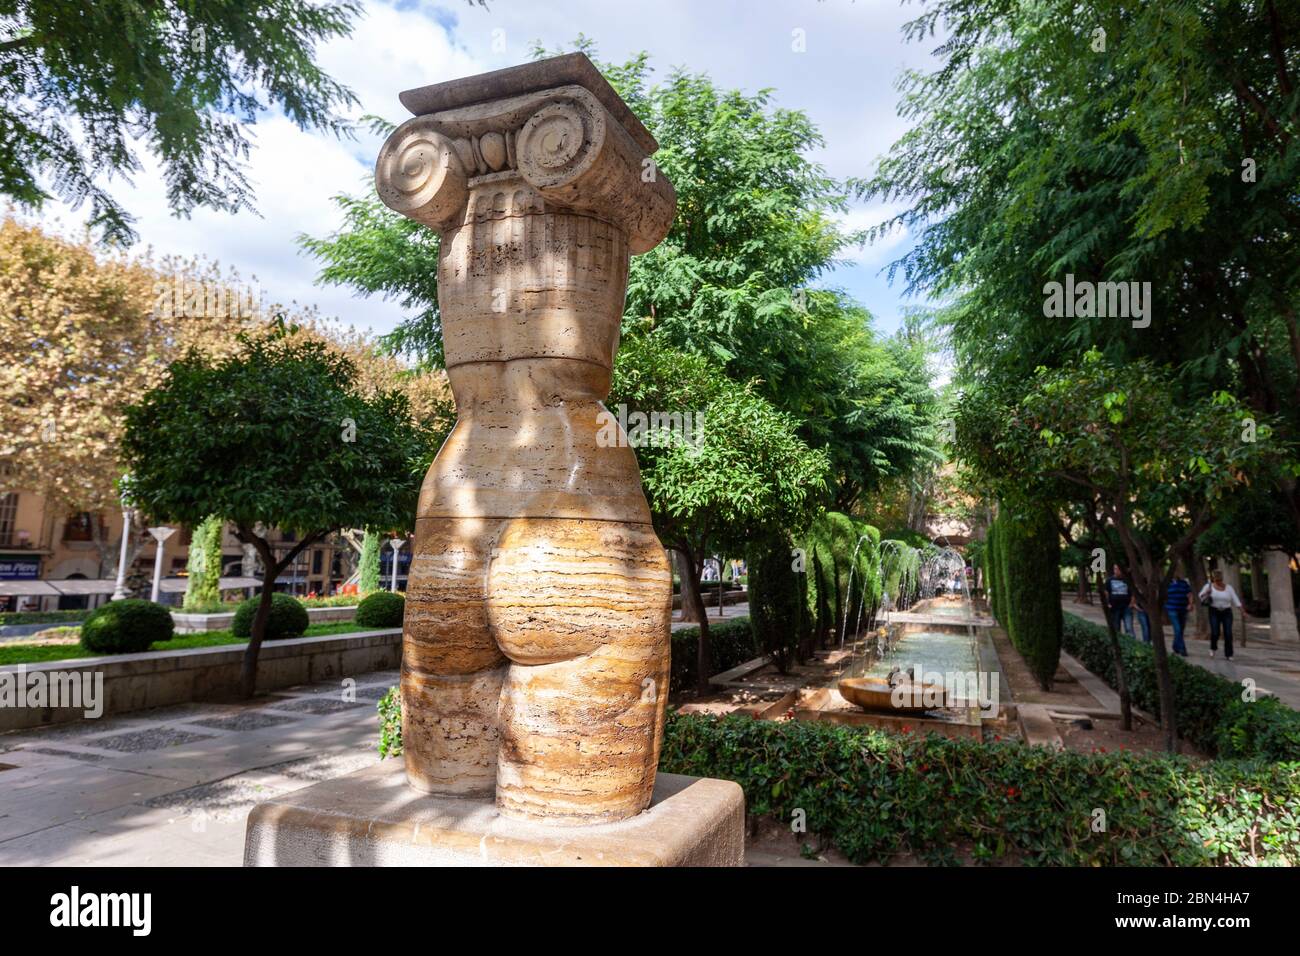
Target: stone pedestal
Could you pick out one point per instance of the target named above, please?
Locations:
(372, 818)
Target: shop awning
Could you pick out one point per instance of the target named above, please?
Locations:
(84, 586)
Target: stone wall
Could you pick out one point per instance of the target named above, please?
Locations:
(158, 678)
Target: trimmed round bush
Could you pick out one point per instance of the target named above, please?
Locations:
(288, 617)
(381, 609)
(126, 627)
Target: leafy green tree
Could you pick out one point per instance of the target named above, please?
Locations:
(1115, 140)
(1157, 469)
(740, 470)
(276, 436)
(732, 282)
(81, 82)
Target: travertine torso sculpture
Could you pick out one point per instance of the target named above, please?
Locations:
(535, 656)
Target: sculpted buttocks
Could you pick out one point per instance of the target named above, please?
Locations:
(535, 654)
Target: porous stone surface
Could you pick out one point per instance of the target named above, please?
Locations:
(536, 637)
(372, 818)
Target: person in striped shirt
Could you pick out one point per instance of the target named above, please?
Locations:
(1178, 602)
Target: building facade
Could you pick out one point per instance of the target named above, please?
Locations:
(42, 543)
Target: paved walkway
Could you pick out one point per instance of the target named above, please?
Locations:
(716, 615)
(1273, 665)
(173, 786)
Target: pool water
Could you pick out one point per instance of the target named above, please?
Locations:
(926, 651)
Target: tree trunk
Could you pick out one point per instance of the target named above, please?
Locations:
(1121, 678)
(1258, 593)
(693, 604)
(1281, 600)
(690, 613)
(1083, 595)
(1152, 587)
(271, 569)
(248, 671)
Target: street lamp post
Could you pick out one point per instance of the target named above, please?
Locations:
(397, 546)
(160, 535)
(121, 591)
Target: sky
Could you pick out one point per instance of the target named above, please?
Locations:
(838, 60)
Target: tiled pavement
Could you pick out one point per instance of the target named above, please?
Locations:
(173, 786)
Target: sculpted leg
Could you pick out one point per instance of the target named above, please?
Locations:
(582, 610)
(452, 669)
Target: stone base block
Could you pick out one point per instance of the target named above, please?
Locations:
(372, 818)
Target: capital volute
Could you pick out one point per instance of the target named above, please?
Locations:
(555, 126)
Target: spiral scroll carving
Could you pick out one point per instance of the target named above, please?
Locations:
(419, 175)
(558, 143)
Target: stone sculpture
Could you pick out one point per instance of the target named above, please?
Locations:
(535, 647)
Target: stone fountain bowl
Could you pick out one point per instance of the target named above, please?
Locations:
(875, 693)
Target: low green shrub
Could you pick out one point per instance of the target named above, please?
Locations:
(390, 724)
(1210, 710)
(381, 609)
(126, 627)
(288, 617)
(874, 794)
(732, 643)
(43, 617)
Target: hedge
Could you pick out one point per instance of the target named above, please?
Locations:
(732, 643)
(1211, 712)
(126, 627)
(1030, 580)
(43, 617)
(368, 565)
(900, 570)
(288, 617)
(873, 795)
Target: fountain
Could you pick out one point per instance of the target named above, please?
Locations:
(937, 639)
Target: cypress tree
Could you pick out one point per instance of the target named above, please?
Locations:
(203, 566)
(1031, 589)
(776, 597)
(368, 579)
